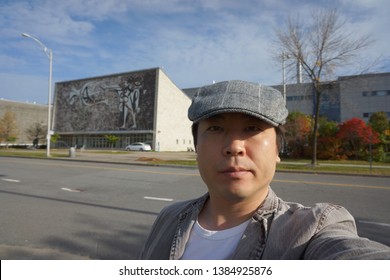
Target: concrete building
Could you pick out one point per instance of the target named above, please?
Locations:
(141, 106)
(301, 98)
(348, 97)
(363, 95)
(26, 115)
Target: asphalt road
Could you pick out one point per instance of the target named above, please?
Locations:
(53, 209)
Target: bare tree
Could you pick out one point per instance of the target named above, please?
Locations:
(36, 132)
(320, 45)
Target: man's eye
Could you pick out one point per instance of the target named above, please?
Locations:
(253, 128)
(215, 128)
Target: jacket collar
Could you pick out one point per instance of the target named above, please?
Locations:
(268, 206)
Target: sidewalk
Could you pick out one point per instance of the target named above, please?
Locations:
(140, 158)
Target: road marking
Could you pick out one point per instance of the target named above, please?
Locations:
(11, 180)
(373, 223)
(158, 198)
(70, 190)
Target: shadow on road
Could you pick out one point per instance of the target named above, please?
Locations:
(374, 231)
(104, 239)
(81, 203)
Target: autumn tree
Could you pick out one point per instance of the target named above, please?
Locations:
(297, 127)
(8, 128)
(356, 137)
(319, 45)
(36, 132)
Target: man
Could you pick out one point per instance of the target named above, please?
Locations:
(237, 136)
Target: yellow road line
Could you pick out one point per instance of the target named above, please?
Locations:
(332, 184)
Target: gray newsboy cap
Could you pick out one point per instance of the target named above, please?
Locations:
(253, 99)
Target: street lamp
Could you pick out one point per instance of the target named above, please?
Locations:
(284, 57)
(49, 54)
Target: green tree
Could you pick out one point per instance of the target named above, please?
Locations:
(8, 128)
(111, 139)
(380, 123)
(55, 137)
(328, 143)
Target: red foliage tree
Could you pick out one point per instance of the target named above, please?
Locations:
(355, 137)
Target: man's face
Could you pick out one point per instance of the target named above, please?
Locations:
(237, 156)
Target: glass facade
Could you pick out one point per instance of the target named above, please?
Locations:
(99, 141)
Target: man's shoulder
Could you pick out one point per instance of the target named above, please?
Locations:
(321, 208)
(317, 216)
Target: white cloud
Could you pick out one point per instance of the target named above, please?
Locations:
(195, 41)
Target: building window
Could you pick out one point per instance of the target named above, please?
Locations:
(366, 115)
(296, 98)
(129, 139)
(376, 93)
(381, 93)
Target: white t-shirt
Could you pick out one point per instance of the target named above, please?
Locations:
(206, 244)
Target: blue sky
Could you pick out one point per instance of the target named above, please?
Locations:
(196, 42)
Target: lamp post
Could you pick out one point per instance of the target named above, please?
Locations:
(49, 54)
(284, 57)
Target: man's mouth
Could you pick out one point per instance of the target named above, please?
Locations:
(235, 172)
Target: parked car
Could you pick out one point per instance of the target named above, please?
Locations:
(138, 147)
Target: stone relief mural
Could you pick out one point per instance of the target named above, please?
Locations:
(112, 103)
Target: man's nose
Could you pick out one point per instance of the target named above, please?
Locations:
(234, 146)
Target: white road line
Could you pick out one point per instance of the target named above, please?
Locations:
(158, 198)
(11, 180)
(69, 190)
(373, 223)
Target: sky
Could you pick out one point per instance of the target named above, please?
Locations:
(195, 42)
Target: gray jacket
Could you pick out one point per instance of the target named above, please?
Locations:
(278, 230)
